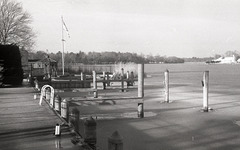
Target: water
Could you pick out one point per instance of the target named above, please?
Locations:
(221, 75)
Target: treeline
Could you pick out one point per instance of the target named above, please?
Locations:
(105, 57)
(228, 54)
(197, 59)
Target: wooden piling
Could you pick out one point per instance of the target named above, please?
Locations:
(85, 84)
(127, 75)
(104, 83)
(122, 80)
(141, 80)
(65, 110)
(166, 83)
(132, 78)
(57, 103)
(128, 82)
(95, 84)
(205, 90)
(140, 110)
(81, 76)
(108, 82)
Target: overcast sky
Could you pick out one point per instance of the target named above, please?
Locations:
(183, 28)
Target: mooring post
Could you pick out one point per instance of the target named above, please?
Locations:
(65, 109)
(108, 82)
(95, 94)
(81, 76)
(84, 81)
(35, 96)
(104, 83)
(127, 75)
(48, 94)
(57, 103)
(115, 142)
(57, 130)
(132, 78)
(36, 84)
(128, 82)
(141, 80)
(140, 110)
(122, 80)
(205, 90)
(166, 83)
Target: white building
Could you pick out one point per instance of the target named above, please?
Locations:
(226, 60)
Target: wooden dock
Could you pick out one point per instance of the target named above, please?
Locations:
(26, 125)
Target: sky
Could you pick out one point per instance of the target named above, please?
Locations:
(182, 28)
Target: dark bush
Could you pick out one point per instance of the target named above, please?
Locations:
(10, 58)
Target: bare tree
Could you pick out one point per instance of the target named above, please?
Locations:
(15, 25)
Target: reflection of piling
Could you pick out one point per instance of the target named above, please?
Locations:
(141, 80)
(166, 84)
(90, 131)
(75, 119)
(205, 90)
(115, 142)
(58, 143)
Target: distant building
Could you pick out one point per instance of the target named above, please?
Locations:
(46, 67)
(35, 63)
(225, 60)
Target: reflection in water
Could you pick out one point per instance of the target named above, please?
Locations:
(58, 143)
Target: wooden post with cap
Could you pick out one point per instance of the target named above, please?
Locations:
(166, 84)
(141, 80)
(95, 93)
(205, 90)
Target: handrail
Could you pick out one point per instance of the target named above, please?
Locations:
(43, 90)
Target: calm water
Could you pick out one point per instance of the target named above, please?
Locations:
(224, 75)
